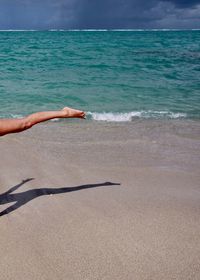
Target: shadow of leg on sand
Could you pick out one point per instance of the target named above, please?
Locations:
(24, 197)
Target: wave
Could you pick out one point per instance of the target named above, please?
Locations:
(119, 117)
(119, 30)
(16, 116)
(17, 30)
(154, 29)
(53, 30)
(87, 30)
(95, 30)
(130, 116)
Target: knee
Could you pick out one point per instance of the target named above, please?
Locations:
(27, 124)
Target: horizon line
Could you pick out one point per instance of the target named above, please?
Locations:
(100, 29)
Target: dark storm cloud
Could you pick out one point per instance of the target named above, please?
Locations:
(138, 14)
(67, 14)
(115, 13)
(183, 3)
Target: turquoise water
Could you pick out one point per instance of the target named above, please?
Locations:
(112, 75)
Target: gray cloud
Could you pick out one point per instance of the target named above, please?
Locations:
(137, 14)
(37, 14)
(115, 14)
(184, 3)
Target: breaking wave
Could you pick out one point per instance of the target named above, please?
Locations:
(119, 117)
(130, 116)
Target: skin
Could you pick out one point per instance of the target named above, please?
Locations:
(17, 125)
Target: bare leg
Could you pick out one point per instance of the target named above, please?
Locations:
(18, 125)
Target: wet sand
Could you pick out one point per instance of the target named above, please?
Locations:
(64, 221)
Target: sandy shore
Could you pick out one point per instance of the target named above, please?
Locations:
(67, 223)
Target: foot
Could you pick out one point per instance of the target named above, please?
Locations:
(72, 113)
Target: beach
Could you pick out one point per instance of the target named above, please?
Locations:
(98, 200)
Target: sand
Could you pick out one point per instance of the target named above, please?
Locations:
(66, 222)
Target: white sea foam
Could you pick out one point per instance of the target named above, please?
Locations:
(55, 120)
(16, 116)
(11, 116)
(117, 30)
(114, 117)
(52, 30)
(121, 30)
(130, 116)
(17, 30)
(153, 29)
(120, 117)
(178, 115)
(91, 30)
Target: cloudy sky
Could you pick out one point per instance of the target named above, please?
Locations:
(98, 14)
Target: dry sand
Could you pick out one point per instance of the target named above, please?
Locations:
(148, 227)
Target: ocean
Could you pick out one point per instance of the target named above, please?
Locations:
(112, 75)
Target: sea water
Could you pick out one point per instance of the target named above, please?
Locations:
(112, 75)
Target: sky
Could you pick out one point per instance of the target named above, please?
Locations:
(99, 14)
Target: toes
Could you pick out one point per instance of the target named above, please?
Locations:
(83, 115)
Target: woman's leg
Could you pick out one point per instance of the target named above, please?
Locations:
(18, 125)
